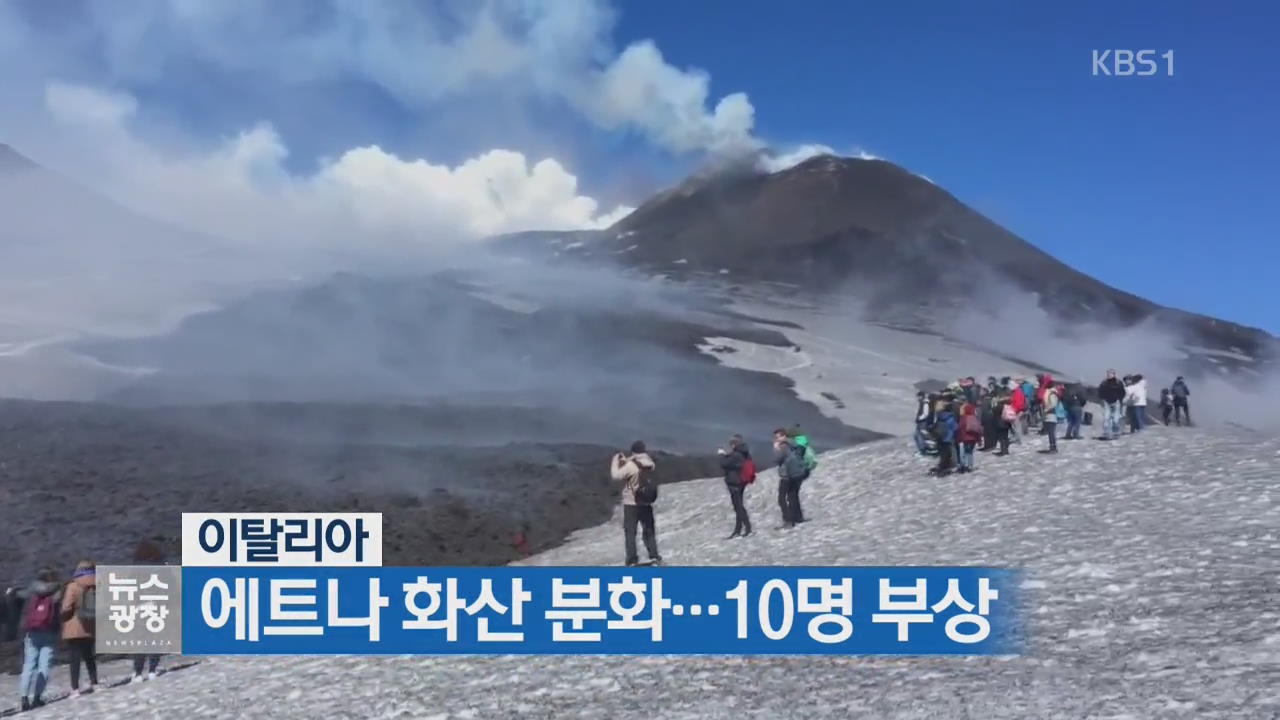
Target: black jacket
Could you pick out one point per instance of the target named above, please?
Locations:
(1075, 397)
(1111, 390)
(732, 463)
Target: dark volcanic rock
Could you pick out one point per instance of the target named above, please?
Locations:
(84, 480)
(872, 228)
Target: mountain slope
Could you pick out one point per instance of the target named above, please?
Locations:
(873, 229)
(76, 261)
(599, 367)
(1150, 592)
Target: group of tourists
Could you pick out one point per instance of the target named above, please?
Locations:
(793, 457)
(967, 417)
(50, 609)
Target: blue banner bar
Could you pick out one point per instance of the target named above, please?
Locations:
(599, 610)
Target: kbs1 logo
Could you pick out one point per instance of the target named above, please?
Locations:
(1127, 63)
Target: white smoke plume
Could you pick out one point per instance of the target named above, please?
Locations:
(419, 54)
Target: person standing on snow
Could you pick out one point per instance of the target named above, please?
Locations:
(39, 625)
(971, 433)
(1019, 401)
(1032, 409)
(1074, 401)
(631, 470)
(1166, 405)
(1111, 394)
(1136, 399)
(788, 455)
(1006, 418)
(1181, 406)
(944, 431)
(739, 471)
(922, 422)
(79, 624)
(1054, 411)
(989, 415)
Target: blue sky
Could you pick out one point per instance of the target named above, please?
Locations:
(1161, 186)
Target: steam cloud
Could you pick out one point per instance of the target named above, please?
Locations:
(1010, 320)
(80, 82)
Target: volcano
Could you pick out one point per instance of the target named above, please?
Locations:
(874, 230)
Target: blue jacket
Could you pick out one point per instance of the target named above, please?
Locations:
(949, 426)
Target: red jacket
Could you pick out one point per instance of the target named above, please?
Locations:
(1018, 400)
(970, 426)
(1045, 383)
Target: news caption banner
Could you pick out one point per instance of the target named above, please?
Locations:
(252, 592)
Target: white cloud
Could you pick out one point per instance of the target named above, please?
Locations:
(365, 198)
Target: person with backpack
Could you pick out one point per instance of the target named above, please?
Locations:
(639, 492)
(40, 633)
(1166, 405)
(1019, 400)
(944, 431)
(789, 458)
(739, 472)
(1032, 408)
(1074, 401)
(1181, 406)
(1008, 418)
(971, 433)
(79, 616)
(1111, 395)
(808, 458)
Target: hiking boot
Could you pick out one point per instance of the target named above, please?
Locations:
(746, 532)
(26, 704)
(73, 695)
(655, 562)
(733, 535)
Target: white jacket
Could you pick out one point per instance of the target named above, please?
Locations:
(1136, 394)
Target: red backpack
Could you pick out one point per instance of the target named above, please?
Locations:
(41, 614)
(748, 471)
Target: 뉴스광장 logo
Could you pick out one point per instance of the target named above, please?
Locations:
(138, 609)
(1128, 63)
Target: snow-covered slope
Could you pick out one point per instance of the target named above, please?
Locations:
(1153, 590)
(860, 373)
